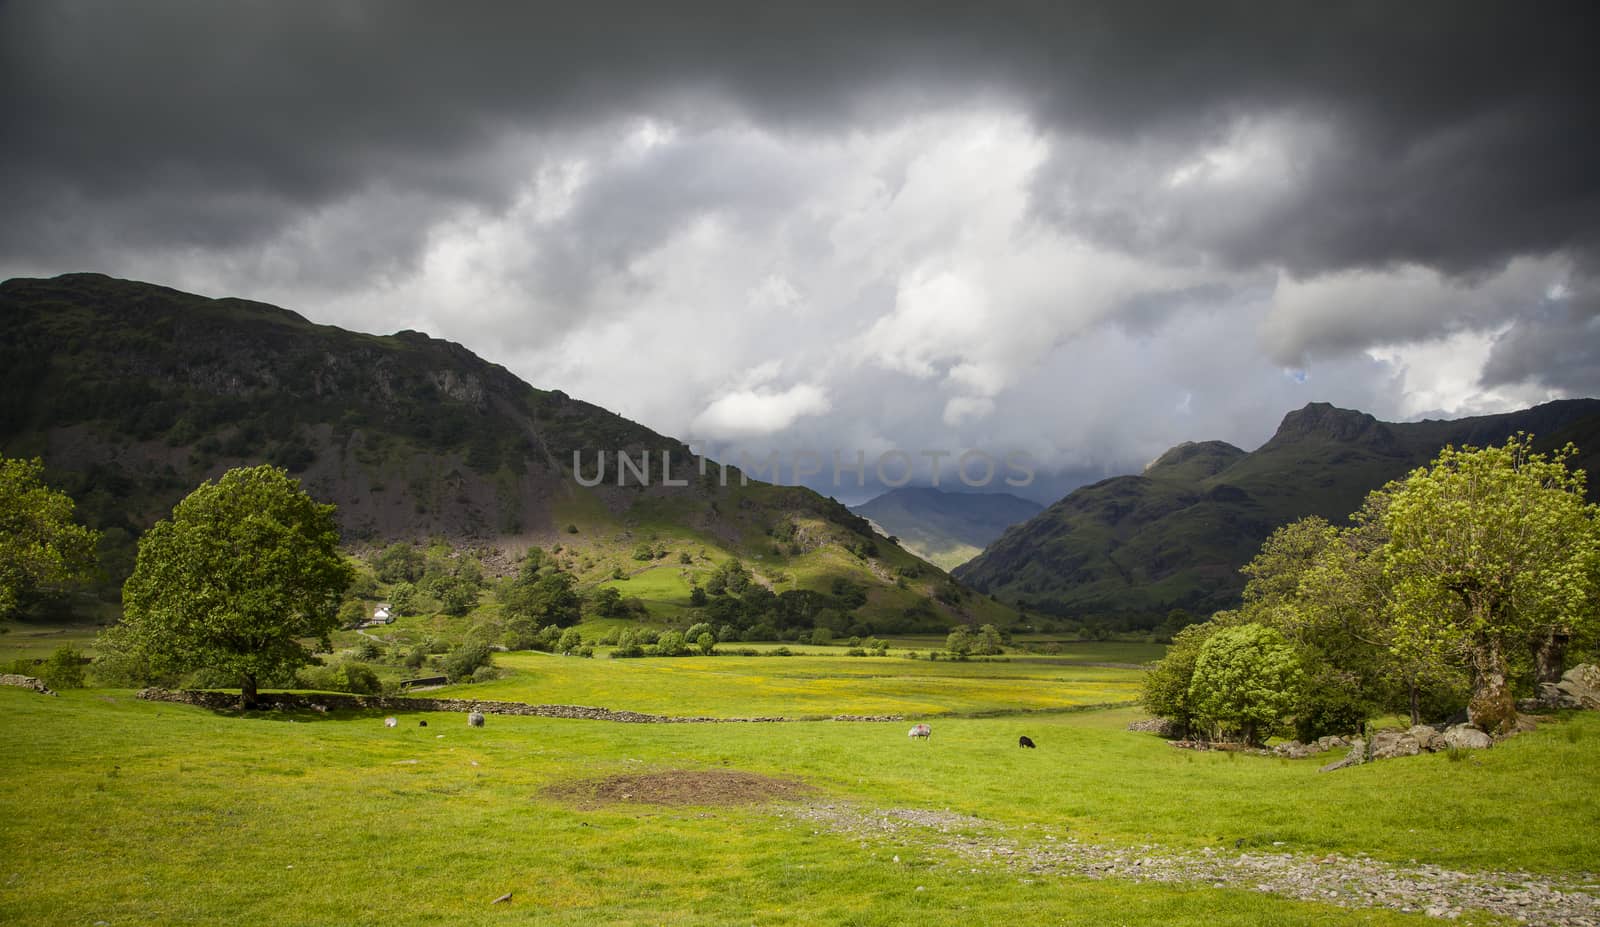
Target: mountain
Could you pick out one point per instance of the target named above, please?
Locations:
(946, 528)
(134, 393)
(1176, 535)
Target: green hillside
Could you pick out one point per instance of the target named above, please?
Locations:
(133, 394)
(1175, 536)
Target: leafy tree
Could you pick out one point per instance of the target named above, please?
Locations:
(960, 641)
(40, 545)
(550, 599)
(1166, 688)
(671, 644)
(399, 562)
(243, 570)
(352, 613)
(462, 661)
(697, 596)
(404, 599)
(64, 669)
(707, 643)
(1245, 680)
(1490, 548)
(570, 641)
(607, 602)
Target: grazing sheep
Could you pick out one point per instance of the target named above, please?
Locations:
(475, 719)
(422, 724)
(390, 722)
(923, 731)
(1025, 741)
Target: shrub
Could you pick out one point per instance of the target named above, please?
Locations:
(64, 669)
(485, 673)
(464, 660)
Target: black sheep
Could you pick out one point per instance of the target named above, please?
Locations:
(1025, 741)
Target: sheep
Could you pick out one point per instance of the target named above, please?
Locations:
(1025, 741)
(923, 731)
(390, 722)
(475, 719)
(422, 724)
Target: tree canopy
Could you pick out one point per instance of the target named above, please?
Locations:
(40, 545)
(1435, 596)
(243, 571)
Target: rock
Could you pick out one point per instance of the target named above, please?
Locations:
(1332, 742)
(475, 719)
(1427, 737)
(1356, 756)
(1466, 737)
(1160, 726)
(1390, 744)
(1294, 750)
(1581, 684)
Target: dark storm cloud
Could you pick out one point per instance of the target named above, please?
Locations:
(1552, 345)
(1462, 132)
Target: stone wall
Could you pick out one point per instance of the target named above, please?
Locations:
(285, 701)
(25, 682)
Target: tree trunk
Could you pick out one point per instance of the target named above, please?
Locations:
(1492, 708)
(1416, 705)
(247, 691)
(1550, 655)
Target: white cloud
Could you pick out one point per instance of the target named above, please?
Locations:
(749, 412)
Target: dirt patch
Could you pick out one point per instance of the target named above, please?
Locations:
(679, 787)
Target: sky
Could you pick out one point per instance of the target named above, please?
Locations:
(1081, 232)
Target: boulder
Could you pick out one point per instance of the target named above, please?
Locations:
(1333, 742)
(1356, 756)
(1466, 737)
(1580, 685)
(1427, 737)
(475, 719)
(1294, 750)
(1390, 744)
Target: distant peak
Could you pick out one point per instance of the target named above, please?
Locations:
(1197, 459)
(1325, 420)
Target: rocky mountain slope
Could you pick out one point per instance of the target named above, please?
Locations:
(1176, 535)
(134, 393)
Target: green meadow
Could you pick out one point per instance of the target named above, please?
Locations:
(120, 811)
(811, 683)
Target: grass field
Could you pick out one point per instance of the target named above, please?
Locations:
(805, 685)
(129, 812)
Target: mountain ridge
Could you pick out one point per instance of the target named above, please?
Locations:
(1175, 536)
(133, 393)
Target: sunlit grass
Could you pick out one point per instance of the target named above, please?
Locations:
(141, 813)
(803, 685)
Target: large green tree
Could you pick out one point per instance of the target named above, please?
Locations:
(1490, 548)
(1246, 679)
(40, 545)
(244, 571)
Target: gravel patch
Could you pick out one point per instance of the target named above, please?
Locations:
(1352, 882)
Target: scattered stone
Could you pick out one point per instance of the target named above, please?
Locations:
(1427, 737)
(475, 719)
(1581, 685)
(1294, 750)
(1332, 879)
(1467, 737)
(1356, 756)
(1390, 744)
